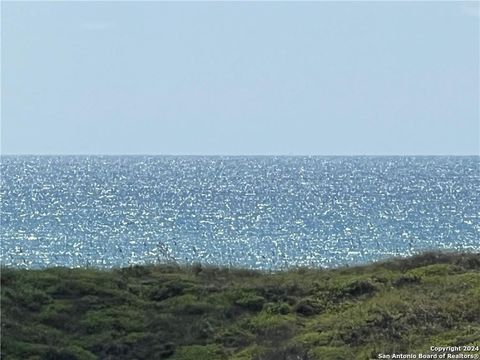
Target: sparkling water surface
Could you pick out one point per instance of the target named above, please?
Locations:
(258, 212)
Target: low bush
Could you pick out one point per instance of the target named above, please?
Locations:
(205, 312)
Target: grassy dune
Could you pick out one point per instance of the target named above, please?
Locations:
(197, 313)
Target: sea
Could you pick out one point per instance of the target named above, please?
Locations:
(259, 212)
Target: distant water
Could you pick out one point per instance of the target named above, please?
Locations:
(258, 212)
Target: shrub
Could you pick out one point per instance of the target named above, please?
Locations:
(407, 279)
(167, 290)
(359, 288)
(308, 307)
(199, 352)
(277, 308)
(251, 302)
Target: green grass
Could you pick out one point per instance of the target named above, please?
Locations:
(183, 313)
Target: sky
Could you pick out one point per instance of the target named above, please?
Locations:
(231, 78)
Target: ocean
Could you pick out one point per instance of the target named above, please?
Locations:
(261, 212)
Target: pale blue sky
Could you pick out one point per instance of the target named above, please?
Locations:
(240, 78)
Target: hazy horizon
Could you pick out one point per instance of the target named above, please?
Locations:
(241, 155)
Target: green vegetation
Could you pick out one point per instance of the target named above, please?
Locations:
(196, 313)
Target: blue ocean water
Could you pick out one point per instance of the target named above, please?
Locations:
(258, 212)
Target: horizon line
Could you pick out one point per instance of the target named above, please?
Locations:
(232, 155)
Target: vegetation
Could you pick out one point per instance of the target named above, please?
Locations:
(195, 313)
